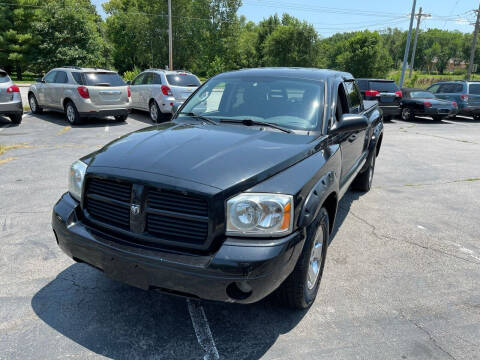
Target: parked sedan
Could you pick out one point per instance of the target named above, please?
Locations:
(465, 93)
(10, 99)
(424, 103)
(159, 91)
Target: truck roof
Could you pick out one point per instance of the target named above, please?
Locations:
(296, 72)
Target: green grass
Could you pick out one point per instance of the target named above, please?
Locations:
(422, 80)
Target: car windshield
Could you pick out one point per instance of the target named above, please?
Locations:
(183, 80)
(384, 86)
(291, 103)
(103, 79)
(4, 77)
(421, 95)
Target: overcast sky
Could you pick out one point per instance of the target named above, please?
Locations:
(330, 17)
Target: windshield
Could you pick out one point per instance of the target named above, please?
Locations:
(292, 103)
(103, 79)
(4, 77)
(421, 95)
(384, 86)
(183, 80)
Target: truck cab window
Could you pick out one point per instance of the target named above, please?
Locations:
(354, 99)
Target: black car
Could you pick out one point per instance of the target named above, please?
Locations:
(386, 92)
(424, 103)
(233, 198)
(465, 93)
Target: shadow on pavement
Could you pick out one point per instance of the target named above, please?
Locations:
(144, 116)
(5, 121)
(343, 209)
(59, 119)
(122, 322)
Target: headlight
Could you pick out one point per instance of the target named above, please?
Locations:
(260, 215)
(75, 180)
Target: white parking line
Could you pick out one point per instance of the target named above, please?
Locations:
(202, 330)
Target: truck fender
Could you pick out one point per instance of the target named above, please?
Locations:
(317, 196)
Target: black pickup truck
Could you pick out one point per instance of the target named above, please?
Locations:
(233, 199)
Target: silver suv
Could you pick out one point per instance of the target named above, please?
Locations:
(157, 91)
(80, 93)
(10, 99)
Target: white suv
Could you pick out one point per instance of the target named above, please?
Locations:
(157, 91)
(81, 93)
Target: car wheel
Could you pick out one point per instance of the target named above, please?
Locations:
(16, 118)
(300, 288)
(476, 117)
(121, 118)
(437, 117)
(155, 113)
(387, 118)
(408, 114)
(364, 180)
(71, 113)
(32, 101)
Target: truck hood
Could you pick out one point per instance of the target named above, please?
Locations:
(219, 156)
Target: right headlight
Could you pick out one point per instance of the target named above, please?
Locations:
(259, 214)
(75, 179)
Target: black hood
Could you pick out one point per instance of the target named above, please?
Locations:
(220, 156)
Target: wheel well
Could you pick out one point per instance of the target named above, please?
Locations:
(150, 102)
(30, 93)
(65, 101)
(379, 144)
(330, 204)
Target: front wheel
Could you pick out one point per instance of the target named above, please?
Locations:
(476, 117)
(437, 117)
(121, 118)
(300, 288)
(32, 101)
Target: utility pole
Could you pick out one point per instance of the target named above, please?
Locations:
(170, 37)
(419, 18)
(407, 48)
(474, 45)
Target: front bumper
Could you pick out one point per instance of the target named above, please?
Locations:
(242, 270)
(11, 107)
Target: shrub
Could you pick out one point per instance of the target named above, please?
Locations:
(130, 75)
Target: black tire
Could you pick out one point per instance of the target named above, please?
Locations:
(408, 114)
(155, 114)
(363, 181)
(121, 118)
(71, 114)
(33, 103)
(437, 117)
(476, 117)
(297, 291)
(387, 118)
(16, 118)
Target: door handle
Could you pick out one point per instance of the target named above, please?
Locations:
(352, 138)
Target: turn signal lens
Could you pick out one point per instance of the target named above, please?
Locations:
(454, 104)
(129, 92)
(399, 93)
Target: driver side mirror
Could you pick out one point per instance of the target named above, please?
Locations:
(349, 122)
(39, 80)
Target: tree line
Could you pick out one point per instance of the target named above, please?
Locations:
(209, 37)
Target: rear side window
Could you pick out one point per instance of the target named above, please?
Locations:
(61, 77)
(78, 77)
(450, 88)
(50, 77)
(474, 89)
(4, 77)
(183, 80)
(148, 79)
(103, 79)
(384, 86)
(157, 79)
(139, 79)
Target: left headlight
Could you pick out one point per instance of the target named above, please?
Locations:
(251, 214)
(75, 179)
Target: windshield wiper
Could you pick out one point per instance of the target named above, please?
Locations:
(200, 117)
(249, 122)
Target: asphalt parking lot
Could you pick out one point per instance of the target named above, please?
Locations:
(402, 278)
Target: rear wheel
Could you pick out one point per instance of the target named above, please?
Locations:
(437, 117)
(387, 118)
(363, 181)
(71, 113)
(408, 114)
(155, 113)
(476, 117)
(32, 101)
(300, 288)
(121, 118)
(16, 118)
